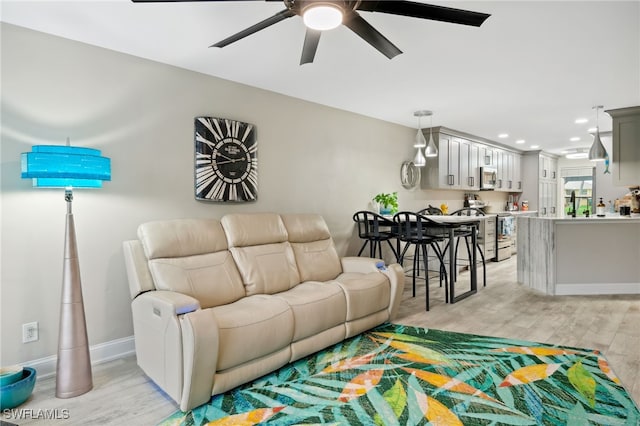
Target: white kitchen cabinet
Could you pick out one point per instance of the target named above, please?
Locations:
(540, 182)
(517, 173)
(500, 169)
(469, 163)
(625, 158)
(487, 156)
(548, 167)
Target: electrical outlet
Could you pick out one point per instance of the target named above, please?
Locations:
(30, 332)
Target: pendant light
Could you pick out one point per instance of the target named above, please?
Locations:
(597, 151)
(431, 150)
(419, 160)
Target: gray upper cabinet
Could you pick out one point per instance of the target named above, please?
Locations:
(625, 158)
(460, 157)
(509, 173)
(443, 171)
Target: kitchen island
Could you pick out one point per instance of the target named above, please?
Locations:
(563, 256)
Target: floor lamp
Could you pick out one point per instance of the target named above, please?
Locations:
(59, 166)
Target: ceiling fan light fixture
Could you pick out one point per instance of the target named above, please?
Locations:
(322, 17)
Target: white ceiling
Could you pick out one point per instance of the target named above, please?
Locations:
(531, 70)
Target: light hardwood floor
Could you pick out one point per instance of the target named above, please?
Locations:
(122, 394)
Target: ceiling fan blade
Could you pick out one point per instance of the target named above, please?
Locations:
(311, 39)
(369, 34)
(425, 11)
(280, 16)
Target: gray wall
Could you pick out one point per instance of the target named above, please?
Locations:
(140, 114)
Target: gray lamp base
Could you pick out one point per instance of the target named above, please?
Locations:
(73, 369)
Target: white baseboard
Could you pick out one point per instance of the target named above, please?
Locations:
(102, 352)
(593, 289)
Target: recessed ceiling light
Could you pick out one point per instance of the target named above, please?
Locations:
(564, 152)
(577, 155)
(581, 120)
(535, 146)
(503, 135)
(592, 129)
(520, 141)
(574, 139)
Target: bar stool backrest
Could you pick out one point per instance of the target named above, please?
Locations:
(468, 211)
(369, 223)
(412, 226)
(431, 210)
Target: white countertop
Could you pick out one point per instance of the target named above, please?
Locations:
(594, 219)
(514, 212)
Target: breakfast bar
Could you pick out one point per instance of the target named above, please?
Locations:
(568, 256)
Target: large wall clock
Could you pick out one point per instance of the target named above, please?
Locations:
(226, 160)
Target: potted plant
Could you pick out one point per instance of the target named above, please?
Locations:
(388, 203)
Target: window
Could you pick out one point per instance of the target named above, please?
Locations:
(581, 181)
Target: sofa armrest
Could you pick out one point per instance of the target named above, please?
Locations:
(158, 336)
(394, 273)
(200, 341)
(363, 265)
(138, 273)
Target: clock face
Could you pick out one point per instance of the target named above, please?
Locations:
(226, 166)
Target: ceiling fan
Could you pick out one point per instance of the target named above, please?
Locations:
(322, 15)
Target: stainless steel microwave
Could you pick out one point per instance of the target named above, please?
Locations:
(488, 178)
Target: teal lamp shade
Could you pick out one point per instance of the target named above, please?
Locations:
(56, 166)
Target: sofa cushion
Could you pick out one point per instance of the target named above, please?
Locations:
(317, 261)
(252, 229)
(190, 256)
(304, 228)
(251, 328)
(365, 293)
(266, 269)
(316, 306)
(314, 251)
(211, 278)
(181, 237)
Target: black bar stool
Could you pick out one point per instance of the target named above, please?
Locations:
(414, 229)
(369, 224)
(466, 233)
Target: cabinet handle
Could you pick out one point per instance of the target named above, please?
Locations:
(544, 210)
(553, 175)
(470, 181)
(510, 184)
(499, 183)
(487, 160)
(553, 210)
(519, 184)
(544, 173)
(451, 179)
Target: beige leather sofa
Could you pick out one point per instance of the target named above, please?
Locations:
(219, 303)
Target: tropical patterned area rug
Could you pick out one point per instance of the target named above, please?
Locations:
(402, 375)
